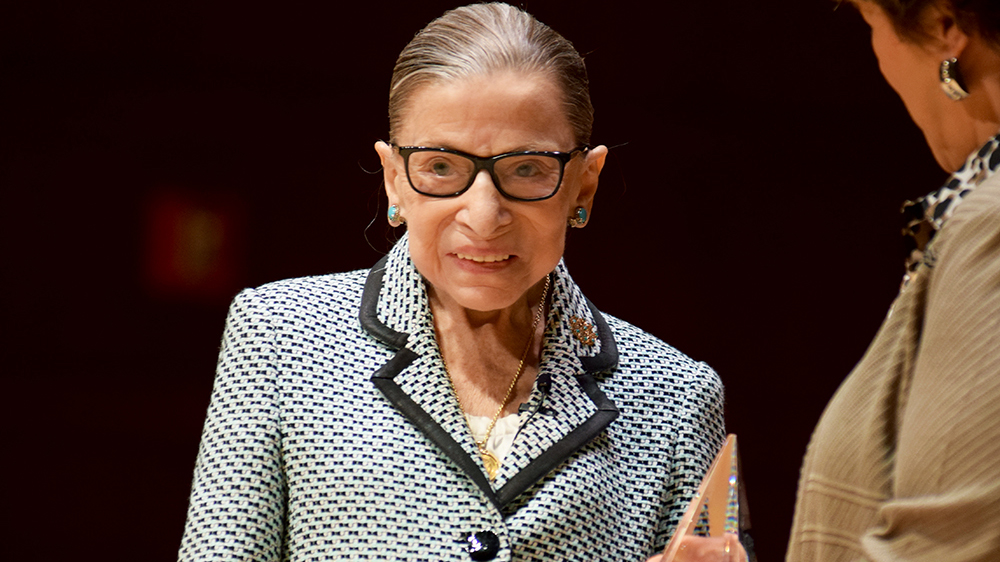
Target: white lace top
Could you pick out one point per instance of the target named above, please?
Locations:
(501, 438)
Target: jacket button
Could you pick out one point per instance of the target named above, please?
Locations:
(483, 545)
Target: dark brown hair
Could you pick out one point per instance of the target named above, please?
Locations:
(978, 16)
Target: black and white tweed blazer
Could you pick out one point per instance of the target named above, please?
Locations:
(333, 434)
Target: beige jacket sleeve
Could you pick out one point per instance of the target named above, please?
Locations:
(946, 475)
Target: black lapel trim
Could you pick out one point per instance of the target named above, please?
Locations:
(607, 359)
(565, 447)
(383, 380)
(368, 313)
(586, 432)
(423, 421)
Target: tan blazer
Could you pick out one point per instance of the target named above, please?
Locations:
(905, 462)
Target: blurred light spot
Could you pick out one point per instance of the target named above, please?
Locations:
(194, 245)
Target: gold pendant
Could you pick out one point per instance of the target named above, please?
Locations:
(490, 462)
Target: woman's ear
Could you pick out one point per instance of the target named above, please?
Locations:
(390, 169)
(946, 39)
(593, 164)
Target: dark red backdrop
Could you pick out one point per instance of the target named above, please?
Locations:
(158, 155)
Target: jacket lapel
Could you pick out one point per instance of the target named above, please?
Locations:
(395, 311)
(566, 411)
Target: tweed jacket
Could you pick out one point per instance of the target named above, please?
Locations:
(333, 433)
(904, 465)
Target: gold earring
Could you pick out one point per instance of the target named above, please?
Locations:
(395, 216)
(951, 80)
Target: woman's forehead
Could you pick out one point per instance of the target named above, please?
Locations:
(502, 85)
(519, 111)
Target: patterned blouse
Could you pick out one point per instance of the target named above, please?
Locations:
(924, 217)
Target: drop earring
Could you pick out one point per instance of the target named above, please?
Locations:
(951, 80)
(578, 219)
(395, 216)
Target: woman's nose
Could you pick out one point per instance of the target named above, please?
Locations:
(484, 208)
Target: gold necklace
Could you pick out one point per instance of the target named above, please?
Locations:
(490, 461)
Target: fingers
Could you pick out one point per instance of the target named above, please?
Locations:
(733, 550)
(726, 548)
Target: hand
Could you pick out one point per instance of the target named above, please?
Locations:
(726, 548)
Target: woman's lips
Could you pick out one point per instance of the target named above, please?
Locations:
(484, 259)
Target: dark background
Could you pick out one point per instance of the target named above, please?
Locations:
(156, 156)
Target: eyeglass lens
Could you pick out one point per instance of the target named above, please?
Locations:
(525, 176)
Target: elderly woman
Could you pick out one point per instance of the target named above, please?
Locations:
(462, 399)
(905, 463)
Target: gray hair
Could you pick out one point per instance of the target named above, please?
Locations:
(480, 39)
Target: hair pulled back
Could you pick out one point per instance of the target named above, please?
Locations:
(480, 39)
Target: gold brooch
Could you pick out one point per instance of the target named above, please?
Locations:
(583, 330)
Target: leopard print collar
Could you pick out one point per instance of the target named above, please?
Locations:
(925, 216)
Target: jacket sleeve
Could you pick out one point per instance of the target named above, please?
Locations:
(701, 433)
(238, 497)
(946, 480)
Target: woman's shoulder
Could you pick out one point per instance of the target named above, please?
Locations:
(313, 301)
(639, 353)
(315, 289)
(654, 379)
(629, 336)
(645, 355)
(969, 239)
(982, 204)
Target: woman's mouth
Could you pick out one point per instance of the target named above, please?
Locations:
(484, 259)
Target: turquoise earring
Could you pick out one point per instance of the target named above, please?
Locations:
(579, 218)
(395, 216)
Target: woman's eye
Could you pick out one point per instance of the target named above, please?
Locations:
(441, 168)
(525, 170)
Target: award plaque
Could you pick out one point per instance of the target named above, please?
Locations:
(718, 507)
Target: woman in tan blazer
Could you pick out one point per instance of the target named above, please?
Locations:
(905, 462)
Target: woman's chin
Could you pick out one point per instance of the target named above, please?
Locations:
(485, 299)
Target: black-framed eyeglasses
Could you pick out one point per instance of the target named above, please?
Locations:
(527, 175)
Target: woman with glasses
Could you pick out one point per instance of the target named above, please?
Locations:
(462, 400)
